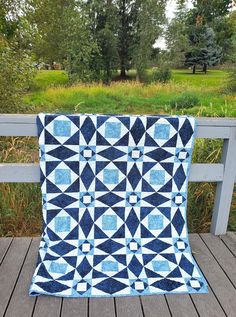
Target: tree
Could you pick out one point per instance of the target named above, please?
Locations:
(103, 19)
(148, 27)
(203, 48)
(63, 35)
(214, 13)
(16, 70)
(176, 36)
(110, 59)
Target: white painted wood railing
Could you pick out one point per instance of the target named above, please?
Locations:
(223, 173)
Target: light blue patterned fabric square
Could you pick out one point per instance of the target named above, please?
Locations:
(162, 131)
(111, 266)
(161, 266)
(157, 177)
(62, 224)
(109, 222)
(62, 176)
(155, 222)
(110, 176)
(113, 130)
(59, 268)
(62, 128)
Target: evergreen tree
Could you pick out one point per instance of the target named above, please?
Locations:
(203, 48)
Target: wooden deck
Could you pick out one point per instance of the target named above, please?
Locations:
(215, 256)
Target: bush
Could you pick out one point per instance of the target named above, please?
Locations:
(16, 73)
(231, 85)
(186, 100)
(162, 74)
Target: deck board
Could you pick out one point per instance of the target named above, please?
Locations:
(222, 255)
(72, 307)
(4, 245)
(181, 306)
(153, 304)
(10, 269)
(218, 280)
(101, 307)
(214, 255)
(230, 241)
(129, 306)
(21, 303)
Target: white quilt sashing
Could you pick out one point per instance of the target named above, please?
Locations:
(114, 194)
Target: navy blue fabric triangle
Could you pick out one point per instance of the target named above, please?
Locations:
(111, 153)
(44, 272)
(137, 130)
(75, 187)
(73, 235)
(99, 233)
(99, 186)
(101, 140)
(51, 188)
(124, 141)
(49, 139)
(165, 232)
(88, 129)
(186, 132)
(145, 233)
(171, 142)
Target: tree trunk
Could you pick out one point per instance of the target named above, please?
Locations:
(123, 38)
(122, 71)
(204, 69)
(194, 69)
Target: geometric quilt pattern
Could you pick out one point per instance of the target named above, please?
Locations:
(114, 197)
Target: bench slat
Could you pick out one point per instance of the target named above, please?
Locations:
(25, 125)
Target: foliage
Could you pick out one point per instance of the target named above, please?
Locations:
(176, 37)
(203, 49)
(15, 76)
(214, 15)
(186, 100)
(231, 85)
(162, 74)
(63, 35)
(16, 69)
(150, 15)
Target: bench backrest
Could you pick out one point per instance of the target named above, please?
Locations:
(223, 173)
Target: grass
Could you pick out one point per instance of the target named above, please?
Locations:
(131, 96)
(20, 204)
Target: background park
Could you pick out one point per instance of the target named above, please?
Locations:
(114, 56)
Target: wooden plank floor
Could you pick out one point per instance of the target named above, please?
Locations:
(216, 257)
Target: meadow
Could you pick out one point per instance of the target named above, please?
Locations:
(20, 204)
(50, 92)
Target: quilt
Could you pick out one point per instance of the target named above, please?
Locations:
(114, 196)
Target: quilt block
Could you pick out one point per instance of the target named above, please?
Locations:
(114, 195)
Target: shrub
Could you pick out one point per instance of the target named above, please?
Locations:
(231, 85)
(186, 100)
(16, 73)
(162, 74)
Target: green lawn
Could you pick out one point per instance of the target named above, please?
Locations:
(51, 92)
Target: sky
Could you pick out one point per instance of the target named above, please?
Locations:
(170, 13)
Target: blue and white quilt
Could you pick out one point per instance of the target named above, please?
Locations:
(114, 192)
